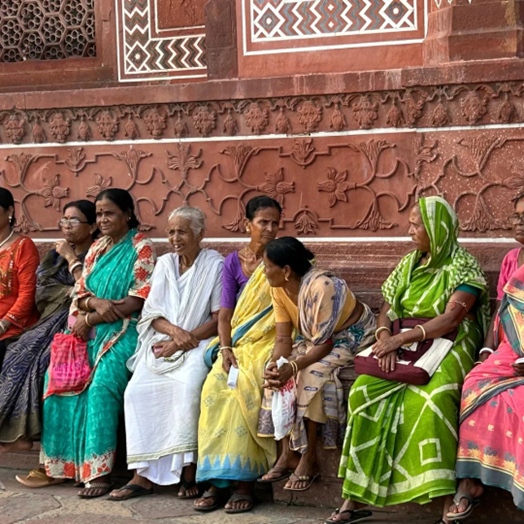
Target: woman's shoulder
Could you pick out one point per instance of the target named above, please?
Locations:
(232, 259)
(25, 246)
(144, 245)
(511, 256)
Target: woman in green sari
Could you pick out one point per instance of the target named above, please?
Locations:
(401, 440)
(80, 429)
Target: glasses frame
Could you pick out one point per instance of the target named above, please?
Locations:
(67, 221)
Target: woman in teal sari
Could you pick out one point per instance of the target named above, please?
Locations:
(401, 440)
(80, 429)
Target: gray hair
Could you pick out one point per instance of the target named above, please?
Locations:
(195, 215)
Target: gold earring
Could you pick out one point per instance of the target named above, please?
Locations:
(286, 278)
(248, 229)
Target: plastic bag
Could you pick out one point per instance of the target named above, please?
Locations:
(284, 406)
(69, 369)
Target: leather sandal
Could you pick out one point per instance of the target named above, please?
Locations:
(472, 503)
(187, 486)
(105, 487)
(355, 515)
(284, 474)
(237, 497)
(302, 478)
(209, 495)
(37, 478)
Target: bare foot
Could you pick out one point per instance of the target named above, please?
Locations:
(188, 488)
(17, 445)
(307, 467)
(205, 502)
(137, 479)
(473, 488)
(243, 488)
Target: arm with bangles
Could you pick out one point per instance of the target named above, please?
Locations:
(458, 306)
(103, 311)
(182, 340)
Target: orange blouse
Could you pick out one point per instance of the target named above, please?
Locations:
(18, 264)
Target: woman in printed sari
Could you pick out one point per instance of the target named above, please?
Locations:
(79, 430)
(401, 440)
(491, 437)
(162, 400)
(27, 359)
(229, 449)
(333, 326)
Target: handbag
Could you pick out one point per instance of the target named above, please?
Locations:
(416, 363)
(69, 369)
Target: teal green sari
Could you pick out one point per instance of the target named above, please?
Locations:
(80, 430)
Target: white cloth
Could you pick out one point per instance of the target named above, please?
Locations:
(162, 400)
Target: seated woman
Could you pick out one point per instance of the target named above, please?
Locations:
(79, 430)
(162, 400)
(490, 449)
(19, 260)
(27, 359)
(229, 448)
(401, 440)
(333, 326)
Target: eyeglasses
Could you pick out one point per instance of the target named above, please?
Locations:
(516, 218)
(73, 222)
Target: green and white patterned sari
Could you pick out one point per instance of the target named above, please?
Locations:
(401, 440)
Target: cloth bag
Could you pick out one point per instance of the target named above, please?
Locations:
(284, 406)
(69, 368)
(416, 363)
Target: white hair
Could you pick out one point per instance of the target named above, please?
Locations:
(196, 217)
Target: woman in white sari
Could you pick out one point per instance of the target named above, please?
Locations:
(162, 400)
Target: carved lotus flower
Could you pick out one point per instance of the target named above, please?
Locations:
(302, 152)
(335, 185)
(15, 128)
(53, 193)
(257, 118)
(60, 127)
(204, 120)
(107, 125)
(275, 186)
(473, 107)
(100, 184)
(155, 123)
(25, 225)
(309, 115)
(366, 112)
(230, 125)
(306, 222)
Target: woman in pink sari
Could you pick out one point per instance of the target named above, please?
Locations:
(491, 440)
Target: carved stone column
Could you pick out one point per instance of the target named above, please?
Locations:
(221, 39)
(480, 30)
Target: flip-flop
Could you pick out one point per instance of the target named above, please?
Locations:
(188, 485)
(136, 491)
(237, 497)
(37, 478)
(472, 503)
(355, 515)
(286, 473)
(302, 478)
(208, 495)
(97, 485)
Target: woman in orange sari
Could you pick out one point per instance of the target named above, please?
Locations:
(18, 263)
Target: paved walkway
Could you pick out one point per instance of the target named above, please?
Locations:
(60, 505)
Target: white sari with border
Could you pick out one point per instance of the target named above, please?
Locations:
(162, 400)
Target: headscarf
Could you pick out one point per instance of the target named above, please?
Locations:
(448, 267)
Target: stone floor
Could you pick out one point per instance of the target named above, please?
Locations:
(60, 505)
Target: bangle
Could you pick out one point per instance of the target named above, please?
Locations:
(486, 350)
(75, 266)
(423, 331)
(294, 367)
(382, 328)
(87, 303)
(86, 318)
(221, 348)
(3, 327)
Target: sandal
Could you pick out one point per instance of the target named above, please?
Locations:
(305, 478)
(237, 497)
(105, 487)
(136, 491)
(188, 485)
(37, 478)
(285, 474)
(209, 495)
(355, 515)
(472, 503)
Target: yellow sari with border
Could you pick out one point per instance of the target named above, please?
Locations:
(229, 447)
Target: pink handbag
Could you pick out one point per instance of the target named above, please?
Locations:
(69, 369)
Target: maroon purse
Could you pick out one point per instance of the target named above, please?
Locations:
(405, 369)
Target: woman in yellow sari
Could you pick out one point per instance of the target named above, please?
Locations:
(229, 449)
